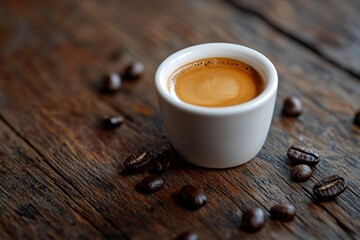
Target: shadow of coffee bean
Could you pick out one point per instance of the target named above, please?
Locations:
(177, 200)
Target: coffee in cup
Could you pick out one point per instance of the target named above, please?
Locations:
(216, 82)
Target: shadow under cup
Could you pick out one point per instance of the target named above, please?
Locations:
(217, 137)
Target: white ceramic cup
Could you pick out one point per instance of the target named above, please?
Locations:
(217, 137)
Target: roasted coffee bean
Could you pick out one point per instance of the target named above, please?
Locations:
(111, 83)
(134, 70)
(112, 122)
(192, 197)
(301, 173)
(329, 188)
(292, 107)
(150, 184)
(187, 236)
(162, 163)
(283, 212)
(137, 163)
(253, 219)
(303, 155)
(357, 119)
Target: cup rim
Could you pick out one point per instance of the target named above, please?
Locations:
(264, 96)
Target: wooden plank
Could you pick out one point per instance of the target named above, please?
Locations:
(118, 25)
(63, 143)
(84, 170)
(24, 25)
(64, 109)
(34, 201)
(330, 29)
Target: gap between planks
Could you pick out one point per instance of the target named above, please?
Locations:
(292, 37)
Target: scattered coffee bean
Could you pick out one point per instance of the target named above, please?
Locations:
(329, 188)
(292, 107)
(162, 163)
(137, 163)
(187, 236)
(301, 173)
(151, 184)
(283, 212)
(134, 70)
(303, 155)
(111, 83)
(112, 122)
(253, 219)
(192, 197)
(357, 119)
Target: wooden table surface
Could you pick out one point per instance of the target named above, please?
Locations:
(60, 172)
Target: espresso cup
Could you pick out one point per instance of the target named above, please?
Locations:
(217, 137)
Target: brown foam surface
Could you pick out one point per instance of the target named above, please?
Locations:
(216, 82)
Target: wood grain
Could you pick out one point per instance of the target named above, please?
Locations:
(35, 201)
(329, 29)
(25, 25)
(50, 106)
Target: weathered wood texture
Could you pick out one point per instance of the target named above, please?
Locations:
(328, 28)
(26, 25)
(60, 173)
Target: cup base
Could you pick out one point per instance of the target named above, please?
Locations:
(215, 164)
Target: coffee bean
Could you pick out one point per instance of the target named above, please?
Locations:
(292, 107)
(151, 184)
(134, 70)
(253, 219)
(303, 155)
(111, 83)
(301, 173)
(357, 119)
(187, 236)
(162, 163)
(329, 188)
(112, 122)
(192, 197)
(137, 163)
(283, 212)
